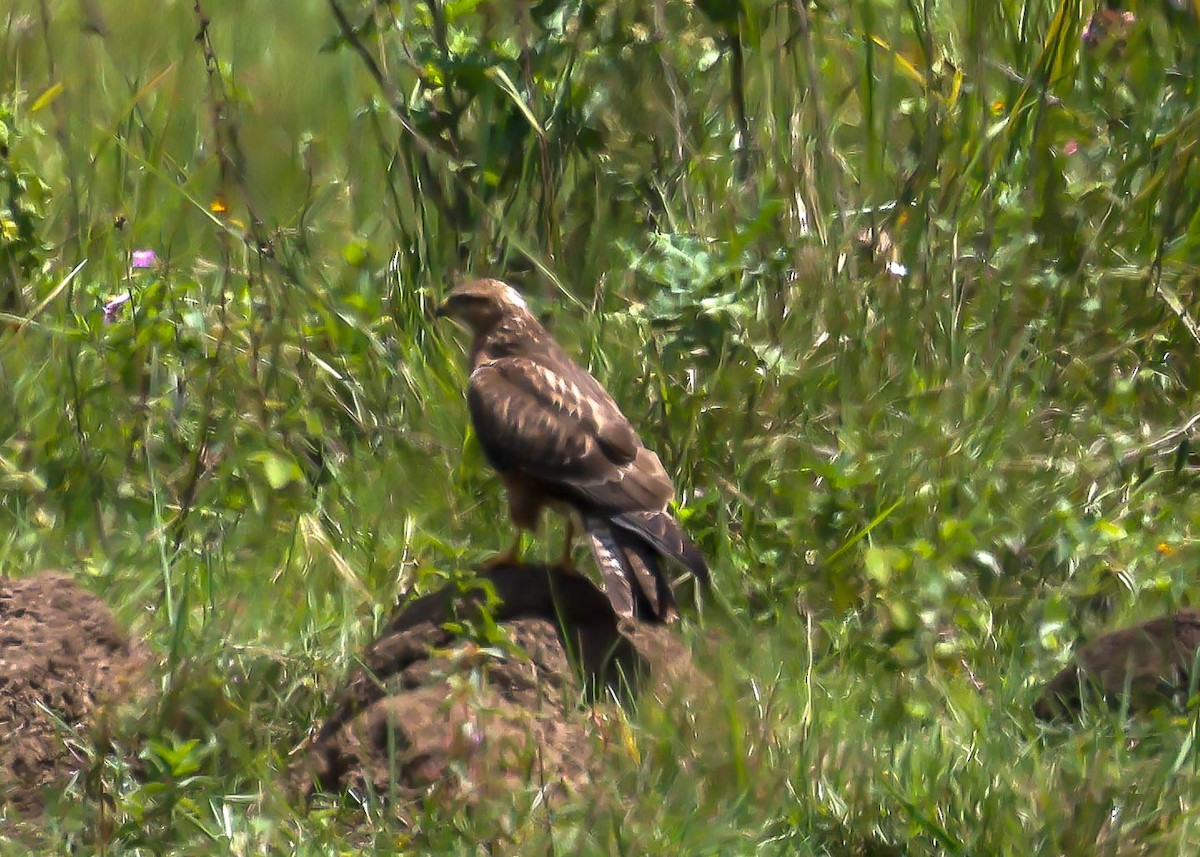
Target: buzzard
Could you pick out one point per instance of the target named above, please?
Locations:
(557, 439)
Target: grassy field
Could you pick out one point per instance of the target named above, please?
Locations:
(922, 474)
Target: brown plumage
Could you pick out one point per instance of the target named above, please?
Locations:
(1138, 666)
(557, 439)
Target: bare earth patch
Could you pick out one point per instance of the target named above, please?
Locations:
(61, 655)
(437, 713)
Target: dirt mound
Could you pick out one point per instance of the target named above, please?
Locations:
(1153, 661)
(453, 704)
(61, 655)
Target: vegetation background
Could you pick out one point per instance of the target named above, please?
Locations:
(924, 459)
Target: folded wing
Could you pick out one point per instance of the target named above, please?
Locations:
(546, 422)
(555, 423)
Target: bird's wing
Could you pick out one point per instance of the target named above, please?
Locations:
(554, 421)
(660, 529)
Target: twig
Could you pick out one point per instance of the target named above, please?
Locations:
(393, 97)
(814, 77)
(396, 104)
(660, 38)
(1169, 228)
(737, 88)
(1155, 446)
(1012, 74)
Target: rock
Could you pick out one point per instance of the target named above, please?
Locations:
(435, 712)
(1154, 660)
(62, 652)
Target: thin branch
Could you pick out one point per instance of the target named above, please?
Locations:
(737, 88)
(1163, 444)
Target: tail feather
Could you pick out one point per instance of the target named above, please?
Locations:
(644, 560)
(663, 531)
(617, 584)
(625, 558)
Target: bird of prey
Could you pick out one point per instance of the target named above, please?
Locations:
(556, 438)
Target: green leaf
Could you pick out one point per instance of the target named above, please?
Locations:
(456, 9)
(355, 253)
(880, 562)
(280, 469)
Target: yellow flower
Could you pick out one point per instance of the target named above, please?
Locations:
(1165, 549)
(218, 206)
(997, 107)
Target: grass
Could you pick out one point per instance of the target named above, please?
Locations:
(917, 491)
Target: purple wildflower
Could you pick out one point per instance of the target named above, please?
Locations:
(144, 258)
(113, 307)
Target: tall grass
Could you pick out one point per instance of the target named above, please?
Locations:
(917, 489)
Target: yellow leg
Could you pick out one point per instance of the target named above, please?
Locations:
(512, 556)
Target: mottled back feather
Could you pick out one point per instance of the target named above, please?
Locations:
(527, 416)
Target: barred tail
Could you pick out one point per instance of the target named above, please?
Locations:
(631, 569)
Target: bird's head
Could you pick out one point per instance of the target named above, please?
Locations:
(480, 305)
